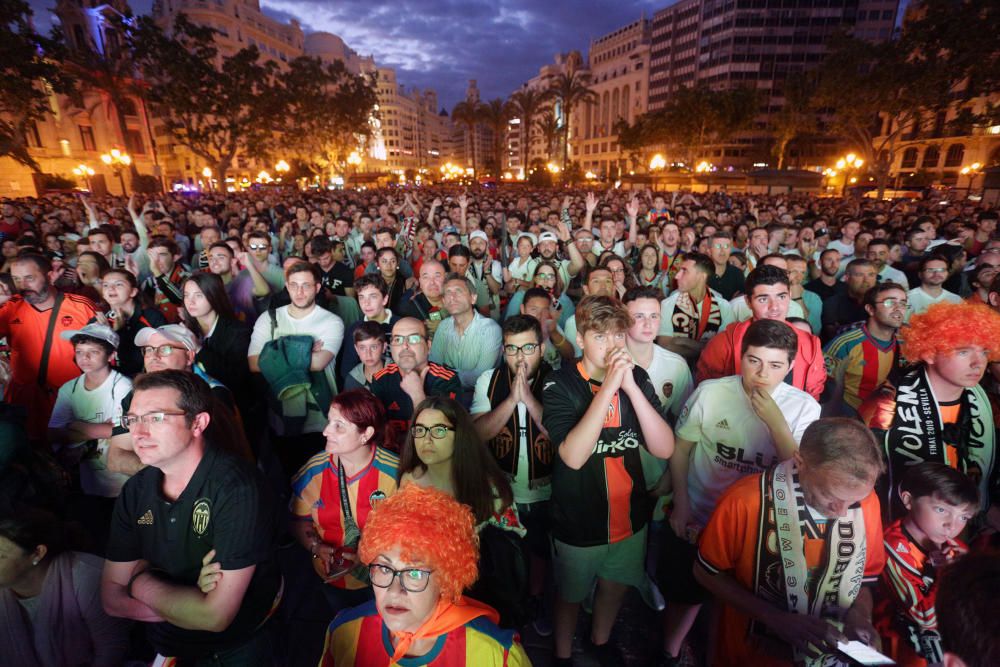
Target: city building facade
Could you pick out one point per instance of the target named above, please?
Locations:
(619, 74)
(755, 43)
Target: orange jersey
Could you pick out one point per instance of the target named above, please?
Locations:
(729, 543)
(25, 327)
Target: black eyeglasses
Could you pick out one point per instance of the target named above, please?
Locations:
(413, 580)
(526, 349)
(438, 431)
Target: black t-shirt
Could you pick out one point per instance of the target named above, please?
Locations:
(823, 290)
(605, 501)
(338, 278)
(729, 283)
(227, 506)
(440, 381)
(840, 311)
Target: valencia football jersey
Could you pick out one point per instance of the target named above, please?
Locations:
(605, 501)
(861, 362)
(358, 638)
(316, 497)
(440, 381)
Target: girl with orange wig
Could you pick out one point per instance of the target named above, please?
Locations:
(938, 411)
(421, 549)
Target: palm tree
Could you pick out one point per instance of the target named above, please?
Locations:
(548, 125)
(527, 103)
(495, 114)
(467, 113)
(570, 88)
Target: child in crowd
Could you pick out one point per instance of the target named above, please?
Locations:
(87, 408)
(939, 502)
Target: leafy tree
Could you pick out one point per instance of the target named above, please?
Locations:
(494, 115)
(797, 118)
(29, 75)
(571, 88)
(328, 111)
(215, 105)
(548, 126)
(698, 116)
(947, 53)
(527, 103)
(467, 114)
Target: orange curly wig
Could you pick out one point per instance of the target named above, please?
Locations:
(427, 526)
(948, 326)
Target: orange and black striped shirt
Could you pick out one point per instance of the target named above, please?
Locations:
(605, 501)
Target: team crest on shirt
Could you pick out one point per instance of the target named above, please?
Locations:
(67, 320)
(668, 389)
(377, 496)
(200, 516)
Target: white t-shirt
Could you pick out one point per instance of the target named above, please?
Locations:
(742, 312)
(892, 274)
(321, 325)
(523, 493)
(618, 248)
(667, 308)
(95, 406)
(731, 441)
(920, 300)
(669, 372)
(846, 250)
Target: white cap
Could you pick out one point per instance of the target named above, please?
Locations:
(94, 330)
(548, 236)
(479, 234)
(175, 333)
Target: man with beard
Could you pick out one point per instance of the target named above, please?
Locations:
(933, 273)
(860, 359)
(847, 307)
(548, 246)
(32, 321)
(937, 411)
(670, 249)
(694, 312)
(337, 277)
(826, 284)
(411, 378)
(486, 273)
(244, 288)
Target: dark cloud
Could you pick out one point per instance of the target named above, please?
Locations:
(441, 44)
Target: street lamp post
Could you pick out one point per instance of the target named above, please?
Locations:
(84, 172)
(282, 168)
(117, 160)
(848, 164)
(207, 173)
(971, 172)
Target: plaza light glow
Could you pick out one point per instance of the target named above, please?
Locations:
(658, 162)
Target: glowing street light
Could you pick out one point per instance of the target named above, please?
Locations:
(657, 162)
(282, 167)
(84, 172)
(117, 160)
(971, 171)
(590, 175)
(552, 167)
(848, 164)
(703, 167)
(264, 177)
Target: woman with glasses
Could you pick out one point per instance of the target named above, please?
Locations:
(547, 277)
(126, 316)
(420, 549)
(336, 490)
(443, 450)
(648, 273)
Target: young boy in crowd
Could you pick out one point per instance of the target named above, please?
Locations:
(939, 502)
(87, 408)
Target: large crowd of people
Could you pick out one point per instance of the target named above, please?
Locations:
(412, 426)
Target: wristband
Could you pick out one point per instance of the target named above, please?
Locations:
(128, 587)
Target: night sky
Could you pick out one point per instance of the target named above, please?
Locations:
(441, 44)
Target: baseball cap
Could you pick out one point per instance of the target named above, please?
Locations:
(94, 330)
(548, 236)
(479, 234)
(175, 333)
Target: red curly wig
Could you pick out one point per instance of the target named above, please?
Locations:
(945, 327)
(430, 527)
